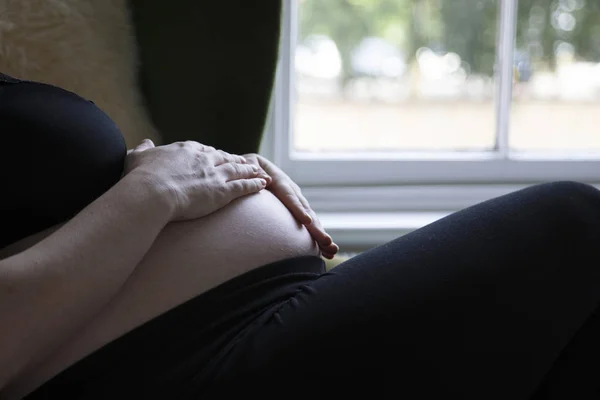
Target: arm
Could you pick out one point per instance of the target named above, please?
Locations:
(52, 289)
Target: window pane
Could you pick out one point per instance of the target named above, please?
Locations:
(556, 93)
(394, 75)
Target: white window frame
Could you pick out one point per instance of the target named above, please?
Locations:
(406, 183)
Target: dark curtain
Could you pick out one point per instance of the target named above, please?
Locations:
(208, 68)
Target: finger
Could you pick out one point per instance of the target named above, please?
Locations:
(331, 252)
(267, 165)
(302, 200)
(304, 208)
(314, 226)
(232, 157)
(251, 159)
(222, 157)
(145, 145)
(263, 174)
(331, 249)
(232, 171)
(288, 197)
(318, 233)
(242, 187)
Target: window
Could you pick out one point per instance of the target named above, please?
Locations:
(435, 104)
(384, 76)
(556, 97)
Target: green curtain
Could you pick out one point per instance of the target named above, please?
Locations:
(207, 68)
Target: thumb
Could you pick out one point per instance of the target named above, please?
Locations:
(145, 145)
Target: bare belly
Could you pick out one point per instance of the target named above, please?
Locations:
(187, 259)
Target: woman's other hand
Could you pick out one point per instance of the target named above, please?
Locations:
(289, 193)
(195, 179)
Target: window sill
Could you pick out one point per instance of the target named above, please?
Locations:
(358, 231)
(359, 218)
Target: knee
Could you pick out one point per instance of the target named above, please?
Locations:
(570, 190)
(572, 200)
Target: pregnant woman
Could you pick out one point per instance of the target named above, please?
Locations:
(181, 271)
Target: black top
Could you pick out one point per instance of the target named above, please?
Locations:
(59, 152)
(8, 79)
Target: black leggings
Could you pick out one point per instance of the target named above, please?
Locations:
(497, 301)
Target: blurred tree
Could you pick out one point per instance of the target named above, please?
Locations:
(347, 22)
(466, 27)
(587, 34)
(470, 31)
(544, 24)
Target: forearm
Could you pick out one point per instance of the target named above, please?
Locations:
(52, 289)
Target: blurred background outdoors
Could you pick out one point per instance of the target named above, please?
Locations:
(389, 75)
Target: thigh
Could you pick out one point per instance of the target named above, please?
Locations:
(477, 305)
(575, 373)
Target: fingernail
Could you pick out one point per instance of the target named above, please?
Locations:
(310, 220)
(263, 182)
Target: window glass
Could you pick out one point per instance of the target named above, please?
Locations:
(556, 93)
(395, 75)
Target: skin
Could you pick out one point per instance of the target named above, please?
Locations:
(139, 264)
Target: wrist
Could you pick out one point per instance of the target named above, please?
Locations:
(151, 193)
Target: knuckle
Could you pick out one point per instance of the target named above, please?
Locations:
(253, 185)
(218, 192)
(250, 169)
(201, 174)
(239, 169)
(202, 157)
(237, 186)
(222, 189)
(231, 169)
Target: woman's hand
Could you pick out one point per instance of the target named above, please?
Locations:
(196, 179)
(289, 193)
